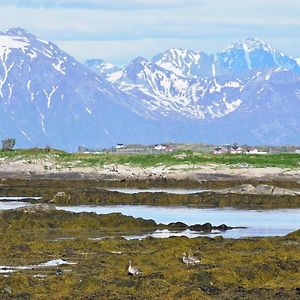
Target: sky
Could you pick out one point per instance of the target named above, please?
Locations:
(120, 30)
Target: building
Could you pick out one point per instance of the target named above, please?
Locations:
(120, 146)
(160, 148)
(251, 151)
(236, 150)
(220, 150)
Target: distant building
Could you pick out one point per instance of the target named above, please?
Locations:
(120, 146)
(297, 151)
(236, 150)
(220, 150)
(251, 151)
(160, 148)
(228, 149)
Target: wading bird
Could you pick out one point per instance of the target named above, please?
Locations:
(188, 261)
(133, 271)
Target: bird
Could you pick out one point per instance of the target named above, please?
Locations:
(132, 270)
(195, 259)
(188, 261)
(59, 271)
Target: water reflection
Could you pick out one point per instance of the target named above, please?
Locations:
(12, 205)
(178, 191)
(277, 222)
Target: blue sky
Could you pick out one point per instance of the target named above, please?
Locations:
(120, 30)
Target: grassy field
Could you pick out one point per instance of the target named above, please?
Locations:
(284, 160)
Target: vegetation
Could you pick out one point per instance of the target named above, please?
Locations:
(8, 144)
(64, 159)
(256, 268)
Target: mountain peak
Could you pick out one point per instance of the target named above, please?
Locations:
(139, 60)
(18, 31)
(100, 66)
(250, 44)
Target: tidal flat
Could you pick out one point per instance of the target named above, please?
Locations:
(252, 268)
(46, 253)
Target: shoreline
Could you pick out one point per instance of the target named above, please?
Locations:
(193, 173)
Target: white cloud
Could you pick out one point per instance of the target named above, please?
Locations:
(198, 24)
(122, 52)
(102, 4)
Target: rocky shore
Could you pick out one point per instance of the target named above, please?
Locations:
(42, 168)
(253, 268)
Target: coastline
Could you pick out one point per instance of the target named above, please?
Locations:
(42, 169)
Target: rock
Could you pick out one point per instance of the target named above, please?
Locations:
(204, 227)
(41, 207)
(261, 189)
(211, 290)
(60, 197)
(178, 225)
(222, 227)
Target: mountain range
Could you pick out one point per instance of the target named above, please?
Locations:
(247, 93)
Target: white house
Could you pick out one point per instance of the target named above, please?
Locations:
(120, 146)
(251, 151)
(236, 150)
(160, 147)
(219, 150)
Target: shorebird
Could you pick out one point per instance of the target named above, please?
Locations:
(195, 259)
(59, 271)
(132, 270)
(188, 261)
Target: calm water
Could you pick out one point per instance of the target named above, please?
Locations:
(157, 190)
(12, 205)
(19, 198)
(277, 222)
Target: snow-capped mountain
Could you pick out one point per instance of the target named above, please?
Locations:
(102, 67)
(252, 54)
(189, 84)
(229, 87)
(161, 92)
(185, 63)
(47, 97)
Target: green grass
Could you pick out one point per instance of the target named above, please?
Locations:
(65, 159)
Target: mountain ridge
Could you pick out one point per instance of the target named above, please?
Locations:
(48, 98)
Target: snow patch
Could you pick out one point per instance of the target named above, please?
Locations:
(247, 56)
(115, 76)
(59, 67)
(88, 110)
(49, 96)
(32, 55)
(10, 87)
(12, 42)
(6, 72)
(232, 106)
(232, 84)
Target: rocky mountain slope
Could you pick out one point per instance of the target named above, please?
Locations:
(48, 98)
(248, 93)
(250, 89)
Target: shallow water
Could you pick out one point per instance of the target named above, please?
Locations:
(176, 191)
(19, 198)
(277, 222)
(12, 204)
(50, 263)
